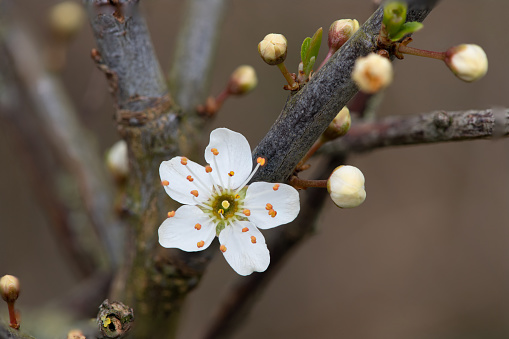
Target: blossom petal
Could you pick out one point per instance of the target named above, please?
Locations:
(179, 187)
(246, 252)
(190, 230)
(261, 197)
(234, 154)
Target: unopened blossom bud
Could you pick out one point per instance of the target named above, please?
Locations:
(340, 31)
(273, 48)
(468, 62)
(346, 187)
(9, 288)
(372, 73)
(117, 160)
(66, 18)
(339, 126)
(242, 80)
(75, 334)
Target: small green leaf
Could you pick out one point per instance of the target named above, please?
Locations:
(311, 63)
(394, 16)
(304, 50)
(312, 52)
(406, 28)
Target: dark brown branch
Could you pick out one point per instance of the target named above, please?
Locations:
(433, 127)
(308, 112)
(195, 52)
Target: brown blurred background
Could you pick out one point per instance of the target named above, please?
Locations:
(426, 256)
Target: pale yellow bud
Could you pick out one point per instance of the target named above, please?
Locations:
(372, 73)
(117, 160)
(468, 62)
(75, 334)
(339, 126)
(340, 31)
(66, 18)
(9, 288)
(243, 80)
(273, 48)
(346, 187)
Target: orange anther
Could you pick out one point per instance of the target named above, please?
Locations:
(272, 213)
(171, 214)
(276, 187)
(220, 211)
(261, 161)
(246, 212)
(237, 196)
(245, 229)
(268, 207)
(183, 161)
(214, 151)
(190, 178)
(165, 182)
(197, 226)
(195, 193)
(231, 173)
(200, 244)
(208, 169)
(253, 239)
(222, 248)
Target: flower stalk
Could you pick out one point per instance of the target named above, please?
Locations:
(292, 84)
(405, 49)
(299, 183)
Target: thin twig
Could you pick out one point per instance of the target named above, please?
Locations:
(432, 127)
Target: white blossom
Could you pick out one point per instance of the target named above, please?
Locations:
(219, 203)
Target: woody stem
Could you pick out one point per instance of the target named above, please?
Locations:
(421, 52)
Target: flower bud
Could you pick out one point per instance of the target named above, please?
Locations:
(66, 18)
(9, 288)
(372, 73)
(394, 16)
(346, 187)
(272, 48)
(467, 62)
(339, 126)
(340, 31)
(75, 334)
(117, 160)
(242, 80)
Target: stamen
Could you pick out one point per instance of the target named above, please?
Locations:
(231, 173)
(276, 187)
(237, 196)
(165, 182)
(202, 204)
(197, 226)
(272, 213)
(220, 211)
(222, 248)
(214, 151)
(193, 176)
(218, 170)
(225, 204)
(245, 229)
(253, 239)
(248, 178)
(190, 178)
(183, 161)
(171, 214)
(195, 193)
(246, 212)
(208, 169)
(268, 207)
(261, 161)
(200, 244)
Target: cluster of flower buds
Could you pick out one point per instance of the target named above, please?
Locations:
(372, 73)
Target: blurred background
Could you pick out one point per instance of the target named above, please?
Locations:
(426, 255)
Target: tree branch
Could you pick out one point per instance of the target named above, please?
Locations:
(432, 127)
(308, 112)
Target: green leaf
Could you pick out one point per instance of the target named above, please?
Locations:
(310, 65)
(406, 28)
(312, 52)
(304, 50)
(394, 16)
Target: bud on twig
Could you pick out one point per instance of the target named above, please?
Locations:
(117, 160)
(9, 289)
(66, 19)
(273, 48)
(339, 126)
(242, 80)
(468, 62)
(340, 31)
(346, 187)
(372, 73)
